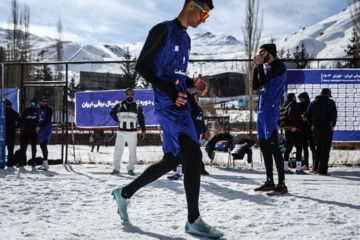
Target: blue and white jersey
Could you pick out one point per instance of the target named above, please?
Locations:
(270, 93)
(170, 63)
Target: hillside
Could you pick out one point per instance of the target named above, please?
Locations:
(326, 39)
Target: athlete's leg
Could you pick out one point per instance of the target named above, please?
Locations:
(268, 160)
(273, 142)
(192, 158)
(152, 173)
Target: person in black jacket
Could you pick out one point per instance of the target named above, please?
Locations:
(125, 114)
(321, 116)
(290, 121)
(29, 123)
(12, 123)
(306, 133)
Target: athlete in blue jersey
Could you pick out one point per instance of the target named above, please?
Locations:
(163, 62)
(270, 82)
(44, 130)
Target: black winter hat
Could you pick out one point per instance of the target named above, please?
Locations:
(271, 48)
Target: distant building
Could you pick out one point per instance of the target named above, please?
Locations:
(99, 81)
(225, 84)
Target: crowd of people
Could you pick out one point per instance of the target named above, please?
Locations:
(35, 124)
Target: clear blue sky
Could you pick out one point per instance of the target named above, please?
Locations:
(125, 21)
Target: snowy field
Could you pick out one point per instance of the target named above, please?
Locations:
(74, 201)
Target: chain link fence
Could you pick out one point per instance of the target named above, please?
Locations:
(227, 96)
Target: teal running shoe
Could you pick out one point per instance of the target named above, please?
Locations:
(131, 172)
(122, 204)
(115, 172)
(200, 228)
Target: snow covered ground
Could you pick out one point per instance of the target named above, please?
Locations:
(74, 201)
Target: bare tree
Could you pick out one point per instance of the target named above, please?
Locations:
(59, 49)
(252, 34)
(355, 15)
(18, 43)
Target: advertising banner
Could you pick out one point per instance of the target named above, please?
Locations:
(13, 95)
(345, 91)
(92, 108)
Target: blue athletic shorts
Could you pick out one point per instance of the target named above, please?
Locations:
(174, 123)
(267, 122)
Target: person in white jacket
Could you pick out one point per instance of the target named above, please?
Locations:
(126, 114)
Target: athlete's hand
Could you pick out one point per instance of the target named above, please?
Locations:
(258, 59)
(142, 135)
(181, 99)
(200, 86)
(293, 129)
(37, 130)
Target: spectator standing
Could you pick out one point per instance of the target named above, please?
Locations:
(126, 114)
(96, 140)
(306, 133)
(12, 123)
(290, 121)
(106, 140)
(29, 123)
(270, 80)
(44, 130)
(322, 115)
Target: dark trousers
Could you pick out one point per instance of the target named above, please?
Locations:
(97, 143)
(323, 139)
(270, 147)
(10, 143)
(25, 138)
(44, 149)
(191, 156)
(308, 141)
(291, 139)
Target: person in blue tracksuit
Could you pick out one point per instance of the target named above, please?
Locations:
(163, 62)
(270, 81)
(44, 129)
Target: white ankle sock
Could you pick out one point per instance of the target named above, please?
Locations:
(179, 169)
(45, 162)
(298, 165)
(286, 165)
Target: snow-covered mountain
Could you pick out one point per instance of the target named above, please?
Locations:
(326, 39)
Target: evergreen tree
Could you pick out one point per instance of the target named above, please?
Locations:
(301, 57)
(352, 50)
(130, 77)
(73, 88)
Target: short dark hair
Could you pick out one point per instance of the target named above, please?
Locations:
(8, 102)
(43, 97)
(129, 89)
(290, 96)
(207, 2)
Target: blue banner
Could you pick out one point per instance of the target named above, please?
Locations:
(345, 91)
(92, 108)
(2, 134)
(13, 95)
